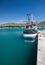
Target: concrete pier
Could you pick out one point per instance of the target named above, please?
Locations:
(41, 48)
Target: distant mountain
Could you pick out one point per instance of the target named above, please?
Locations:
(42, 24)
(12, 25)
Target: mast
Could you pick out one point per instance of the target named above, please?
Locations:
(29, 17)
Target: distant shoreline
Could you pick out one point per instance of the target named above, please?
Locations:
(11, 26)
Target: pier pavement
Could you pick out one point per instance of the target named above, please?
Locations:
(41, 48)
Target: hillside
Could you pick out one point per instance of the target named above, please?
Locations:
(42, 24)
(12, 25)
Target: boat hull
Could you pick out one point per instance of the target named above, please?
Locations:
(30, 35)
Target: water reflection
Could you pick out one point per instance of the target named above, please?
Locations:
(30, 40)
(25, 40)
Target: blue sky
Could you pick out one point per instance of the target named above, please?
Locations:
(14, 10)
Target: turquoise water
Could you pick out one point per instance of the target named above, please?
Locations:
(15, 50)
(41, 28)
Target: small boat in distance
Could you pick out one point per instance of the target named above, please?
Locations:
(30, 30)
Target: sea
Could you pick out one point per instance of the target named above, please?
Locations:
(15, 50)
(40, 28)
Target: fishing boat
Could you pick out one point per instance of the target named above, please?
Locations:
(30, 30)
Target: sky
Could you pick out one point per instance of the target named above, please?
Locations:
(16, 10)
